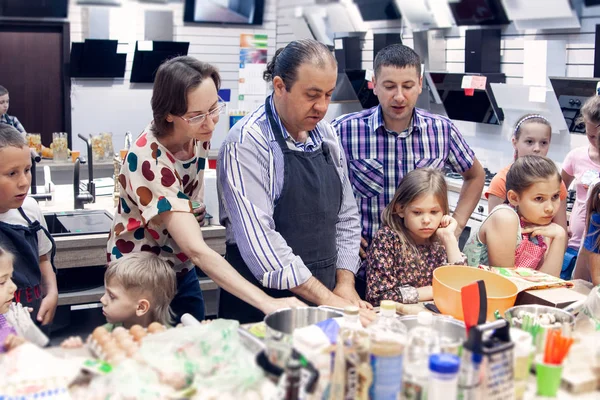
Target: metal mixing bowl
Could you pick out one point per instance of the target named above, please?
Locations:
(561, 316)
(281, 324)
(452, 331)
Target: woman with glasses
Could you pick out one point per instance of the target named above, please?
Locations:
(161, 176)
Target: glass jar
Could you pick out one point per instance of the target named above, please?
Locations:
(109, 151)
(34, 141)
(60, 147)
(98, 151)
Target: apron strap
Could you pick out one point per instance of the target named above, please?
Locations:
(24, 216)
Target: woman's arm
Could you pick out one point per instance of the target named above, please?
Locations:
(186, 232)
(499, 233)
(561, 216)
(566, 178)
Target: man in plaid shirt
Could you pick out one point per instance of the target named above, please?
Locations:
(384, 143)
(4, 117)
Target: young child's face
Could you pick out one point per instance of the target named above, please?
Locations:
(592, 131)
(7, 287)
(15, 176)
(118, 306)
(4, 104)
(539, 203)
(533, 140)
(422, 217)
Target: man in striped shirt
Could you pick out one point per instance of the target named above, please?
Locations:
(384, 143)
(285, 199)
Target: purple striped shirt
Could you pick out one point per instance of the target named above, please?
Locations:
(379, 158)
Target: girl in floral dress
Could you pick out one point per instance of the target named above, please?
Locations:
(416, 236)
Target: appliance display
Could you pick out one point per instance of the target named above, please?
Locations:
(479, 12)
(34, 8)
(146, 63)
(378, 10)
(572, 94)
(480, 107)
(241, 12)
(97, 58)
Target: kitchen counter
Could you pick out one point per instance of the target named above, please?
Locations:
(90, 250)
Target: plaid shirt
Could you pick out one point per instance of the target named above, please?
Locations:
(12, 121)
(379, 158)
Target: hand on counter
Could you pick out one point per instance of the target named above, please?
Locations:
(277, 304)
(345, 289)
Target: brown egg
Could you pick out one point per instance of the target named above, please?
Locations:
(103, 338)
(125, 342)
(137, 332)
(118, 331)
(99, 332)
(156, 327)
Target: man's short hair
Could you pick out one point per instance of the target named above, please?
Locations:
(399, 56)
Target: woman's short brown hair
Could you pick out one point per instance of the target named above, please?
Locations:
(174, 79)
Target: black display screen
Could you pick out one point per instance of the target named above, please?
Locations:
(479, 12)
(34, 8)
(96, 58)
(571, 94)
(480, 107)
(146, 63)
(241, 12)
(378, 10)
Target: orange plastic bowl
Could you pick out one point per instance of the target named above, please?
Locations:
(448, 280)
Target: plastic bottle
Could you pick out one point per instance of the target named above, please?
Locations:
(443, 376)
(388, 339)
(423, 341)
(352, 374)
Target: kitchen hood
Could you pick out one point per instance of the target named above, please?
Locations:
(544, 14)
(426, 14)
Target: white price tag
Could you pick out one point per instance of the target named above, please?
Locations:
(467, 82)
(369, 75)
(145, 45)
(339, 44)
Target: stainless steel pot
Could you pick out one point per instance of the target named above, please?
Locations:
(452, 332)
(563, 317)
(281, 324)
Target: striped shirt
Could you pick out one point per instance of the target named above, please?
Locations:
(379, 158)
(251, 174)
(12, 121)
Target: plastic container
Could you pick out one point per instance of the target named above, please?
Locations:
(423, 341)
(352, 375)
(443, 376)
(524, 352)
(388, 340)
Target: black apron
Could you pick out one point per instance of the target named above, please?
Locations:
(305, 215)
(22, 242)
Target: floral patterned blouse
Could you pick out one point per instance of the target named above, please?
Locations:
(395, 270)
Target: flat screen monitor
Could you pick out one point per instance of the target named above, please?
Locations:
(479, 12)
(480, 107)
(378, 10)
(96, 58)
(34, 8)
(146, 63)
(240, 12)
(571, 94)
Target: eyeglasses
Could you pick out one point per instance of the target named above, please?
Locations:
(199, 119)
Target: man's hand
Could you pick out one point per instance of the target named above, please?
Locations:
(364, 245)
(47, 308)
(278, 304)
(345, 289)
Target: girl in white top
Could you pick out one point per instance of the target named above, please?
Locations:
(523, 235)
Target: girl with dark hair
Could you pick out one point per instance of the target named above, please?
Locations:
(522, 234)
(161, 176)
(532, 136)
